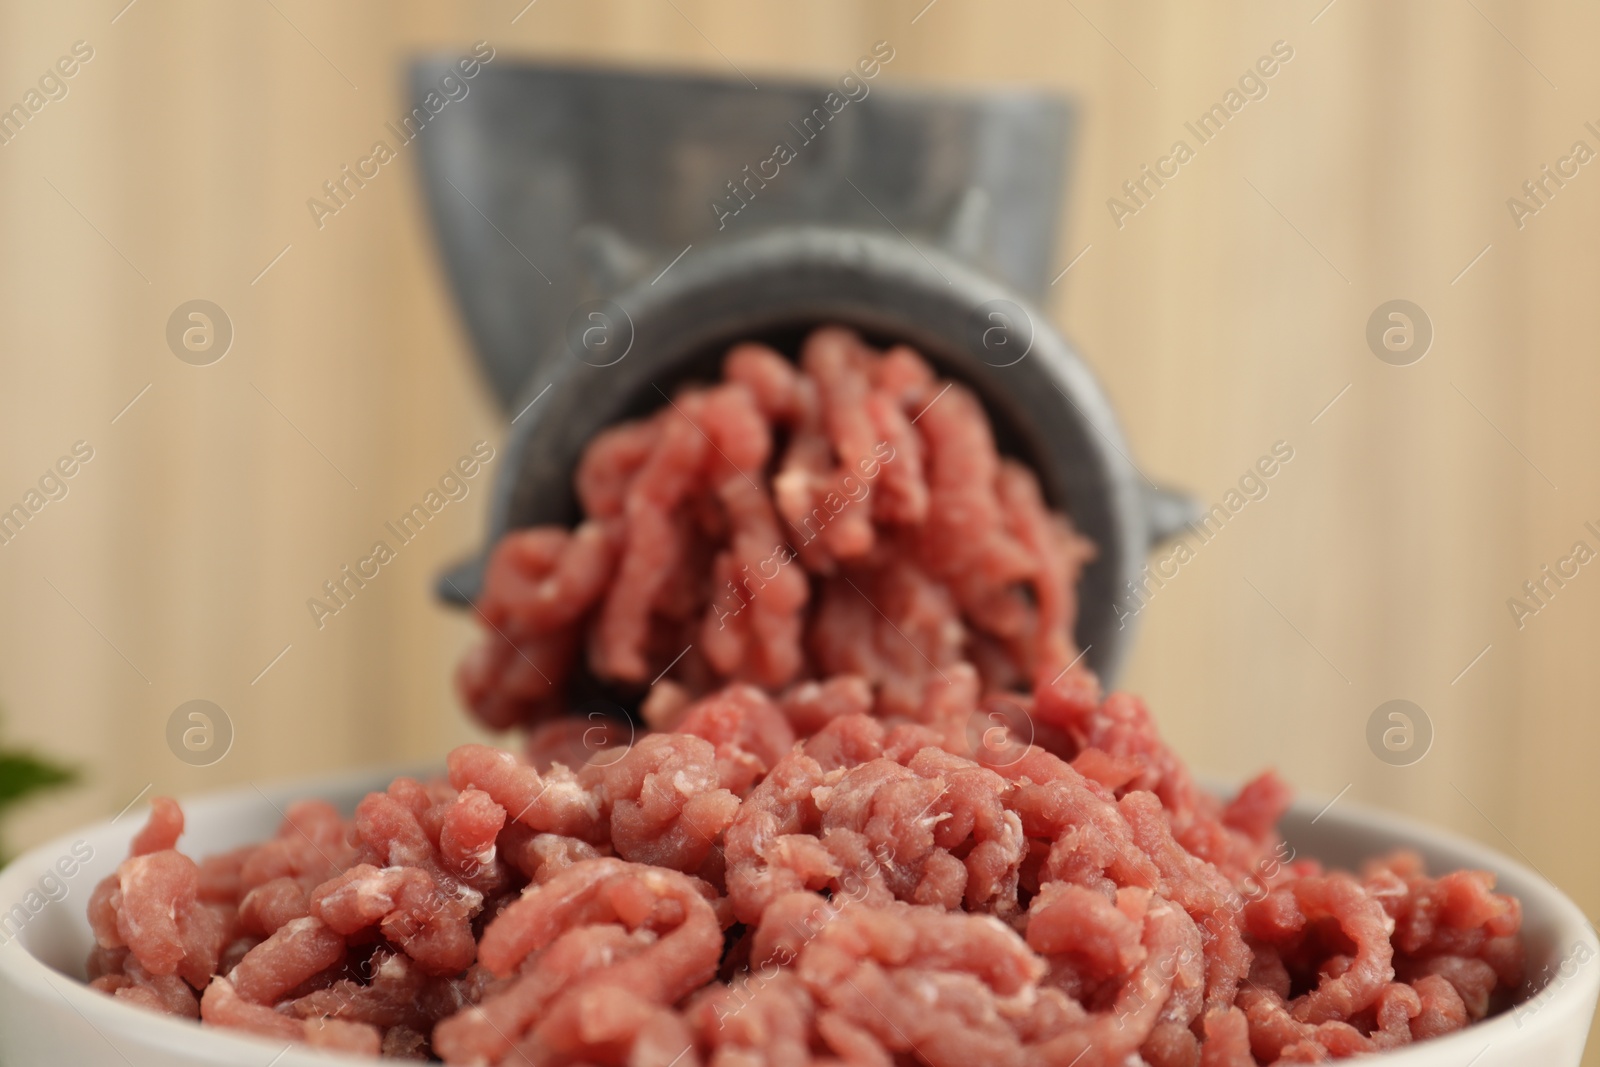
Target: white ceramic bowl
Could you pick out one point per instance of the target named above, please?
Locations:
(49, 1018)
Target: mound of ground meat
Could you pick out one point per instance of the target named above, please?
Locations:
(882, 815)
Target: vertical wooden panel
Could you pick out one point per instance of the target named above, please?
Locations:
(1224, 315)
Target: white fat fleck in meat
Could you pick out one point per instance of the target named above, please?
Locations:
(374, 890)
(793, 490)
(394, 968)
(1020, 1002)
(570, 792)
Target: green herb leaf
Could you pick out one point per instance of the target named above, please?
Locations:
(22, 775)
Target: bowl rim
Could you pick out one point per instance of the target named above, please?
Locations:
(22, 970)
(156, 1032)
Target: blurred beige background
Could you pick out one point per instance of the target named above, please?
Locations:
(1225, 315)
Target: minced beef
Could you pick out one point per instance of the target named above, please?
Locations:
(881, 813)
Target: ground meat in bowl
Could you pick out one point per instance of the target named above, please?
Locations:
(881, 812)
